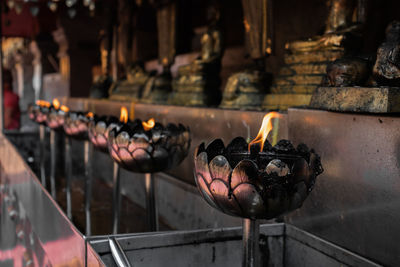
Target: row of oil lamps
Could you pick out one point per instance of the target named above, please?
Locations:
(253, 181)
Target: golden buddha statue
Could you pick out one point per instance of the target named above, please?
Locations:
(246, 90)
(197, 84)
(133, 86)
(306, 60)
(102, 83)
(157, 88)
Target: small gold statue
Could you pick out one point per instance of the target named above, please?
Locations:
(245, 90)
(133, 86)
(197, 84)
(158, 88)
(387, 66)
(103, 82)
(306, 60)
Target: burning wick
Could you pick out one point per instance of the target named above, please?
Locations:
(124, 115)
(90, 115)
(42, 103)
(56, 103)
(266, 127)
(149, 124)
(64, 108)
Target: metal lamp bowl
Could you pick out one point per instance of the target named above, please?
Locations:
(38, 114)
(55, 118)
(32, 111)
(250, 184)
(76, 125)
(158, 149)
(99, 128)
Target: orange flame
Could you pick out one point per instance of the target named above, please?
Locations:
(266, 127)
(56, 103)
(90, 115)
(42, 103)
(64, 108)
(124, 115)
(149, 124)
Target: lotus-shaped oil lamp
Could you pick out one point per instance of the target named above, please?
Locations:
(256, 180)
(38, 113)
(76, 124)
(99, 128)
(56, 115)
(149, 147)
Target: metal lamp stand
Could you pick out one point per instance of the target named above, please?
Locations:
(53, 162)
(116, 199)
(151, 206)
(68, 174)
(251, 243)
(88, 185)
(42, 135)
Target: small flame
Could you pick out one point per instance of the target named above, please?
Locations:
(42, 103)
(56, 103)
(266, 127)
(149, 124)
(124, 115)
(90, 115)
(64, 108)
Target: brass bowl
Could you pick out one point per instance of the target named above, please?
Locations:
(253, 184)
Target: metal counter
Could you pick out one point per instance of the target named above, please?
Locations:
(280, 244)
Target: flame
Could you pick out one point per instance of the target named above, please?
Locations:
(266, 127)
(64, 108)
(90, 115)
(149, 124)
(124, 115)
(56, 103)
(42, 103)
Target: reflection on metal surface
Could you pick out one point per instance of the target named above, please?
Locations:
(29, 237)
(356, 202)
